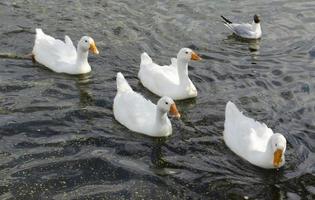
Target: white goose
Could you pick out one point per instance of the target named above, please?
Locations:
(140, 115)
(253, 141)
(245, 30)
(172, 80)
(62, 57)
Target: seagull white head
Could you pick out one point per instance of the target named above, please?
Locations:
(166, 104)
(187, 55)
(87, 43)
(279, 144)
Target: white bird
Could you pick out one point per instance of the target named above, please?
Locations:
(132, 110)
(173, 80)
(62, 57)
(245, 30)
(253, 141)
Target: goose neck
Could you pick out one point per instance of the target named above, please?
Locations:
(82, 56)
(161, 117)
(182, 69)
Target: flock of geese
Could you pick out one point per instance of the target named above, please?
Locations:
(250, 139)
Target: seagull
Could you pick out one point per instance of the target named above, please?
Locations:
(245, 30)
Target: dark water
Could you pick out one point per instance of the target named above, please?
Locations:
(58, 137)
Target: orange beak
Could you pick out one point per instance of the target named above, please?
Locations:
(195, 56)
(93, 48)
(277, 158)
(174, 112)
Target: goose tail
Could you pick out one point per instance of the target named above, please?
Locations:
(39, 33)
(122, 84)
(232, 112)
(145, 59)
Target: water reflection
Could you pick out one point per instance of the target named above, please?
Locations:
(276, 193)
(83, 84)
(253, 45)
(156, 154)
(161, 166)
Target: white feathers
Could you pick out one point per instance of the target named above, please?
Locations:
(145, 59)
(122, 84)
(248, 138)
(59, 56)
(245, 30)
(171, 80)
(138, 114)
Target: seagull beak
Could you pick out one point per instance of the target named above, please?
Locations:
(195, 56)
(93, 48)
(277, 158)
(174, 112)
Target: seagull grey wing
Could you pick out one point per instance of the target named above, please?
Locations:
(244, 30)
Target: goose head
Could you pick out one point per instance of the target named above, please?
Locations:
(279, 144)
(187, 55)
(87, 43)
(166, 104)
(256, 19)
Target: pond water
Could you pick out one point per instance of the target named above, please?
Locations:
(58, 136)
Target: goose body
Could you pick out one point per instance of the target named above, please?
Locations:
(245, 30)
(63, 57)
(252, 140)
(172, 80)
(136, 113)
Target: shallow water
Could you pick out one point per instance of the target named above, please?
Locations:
(58, 137)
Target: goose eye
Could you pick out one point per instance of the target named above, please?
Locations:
(276, 145)
(85, 41)
(186, 52)
(166, 103)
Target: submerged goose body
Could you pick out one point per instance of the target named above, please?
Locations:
(252, 140)
(172, 80)
(63, 57)
(136, 113)
(245, 30)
